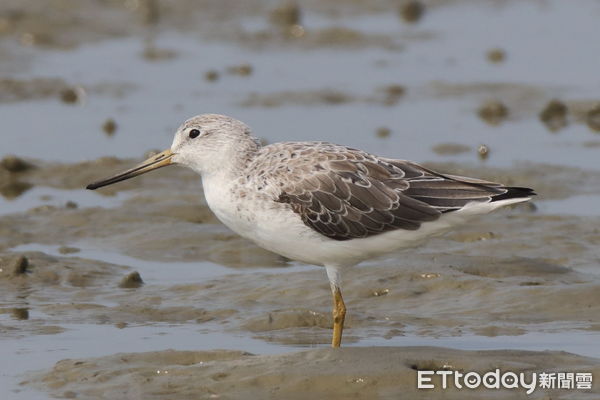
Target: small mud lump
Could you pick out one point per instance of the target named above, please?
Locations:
(72, 95)
(411, 11)
(211, 75)
(286, 15)
(493, 112)
(131, 281)
(383, 132)
(554, 115)
(109, 126)
(241, 70)
(592, 118)
(483, 151)
(496, 55)
(13, 189)
(14, 266)
(12, 163)
(20, 313)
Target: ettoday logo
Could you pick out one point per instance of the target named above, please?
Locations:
(497, 379)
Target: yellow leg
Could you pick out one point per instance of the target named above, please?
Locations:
(339, 314)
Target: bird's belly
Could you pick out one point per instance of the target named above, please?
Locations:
(282, 231)
(277, 228)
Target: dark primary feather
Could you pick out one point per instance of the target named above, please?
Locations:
(351, 194)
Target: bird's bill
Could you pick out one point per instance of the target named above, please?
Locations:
(157, 161)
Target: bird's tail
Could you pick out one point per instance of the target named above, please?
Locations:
(514, 193)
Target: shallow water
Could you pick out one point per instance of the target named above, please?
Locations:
(204, 288)
(40, 196)
(445, 77)
(582, 205)
(81, 341)
(161, 271)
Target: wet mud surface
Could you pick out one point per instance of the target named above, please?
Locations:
(383, 372)
(57, 275)
(143, 293)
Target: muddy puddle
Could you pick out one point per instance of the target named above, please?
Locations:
(137, 291)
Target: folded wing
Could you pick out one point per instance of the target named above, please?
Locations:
(351, 194)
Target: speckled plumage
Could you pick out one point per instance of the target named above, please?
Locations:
(344, 193)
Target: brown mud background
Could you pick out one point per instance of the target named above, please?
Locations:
(139, 288)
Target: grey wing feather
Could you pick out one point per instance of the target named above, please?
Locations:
(351, 194)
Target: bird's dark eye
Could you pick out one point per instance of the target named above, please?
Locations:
(194, 133)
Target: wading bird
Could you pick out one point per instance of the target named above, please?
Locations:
(321, 203)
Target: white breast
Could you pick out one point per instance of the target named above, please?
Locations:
(257, 217)
(229, 209)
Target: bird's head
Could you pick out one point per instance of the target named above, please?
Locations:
(206, 143)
